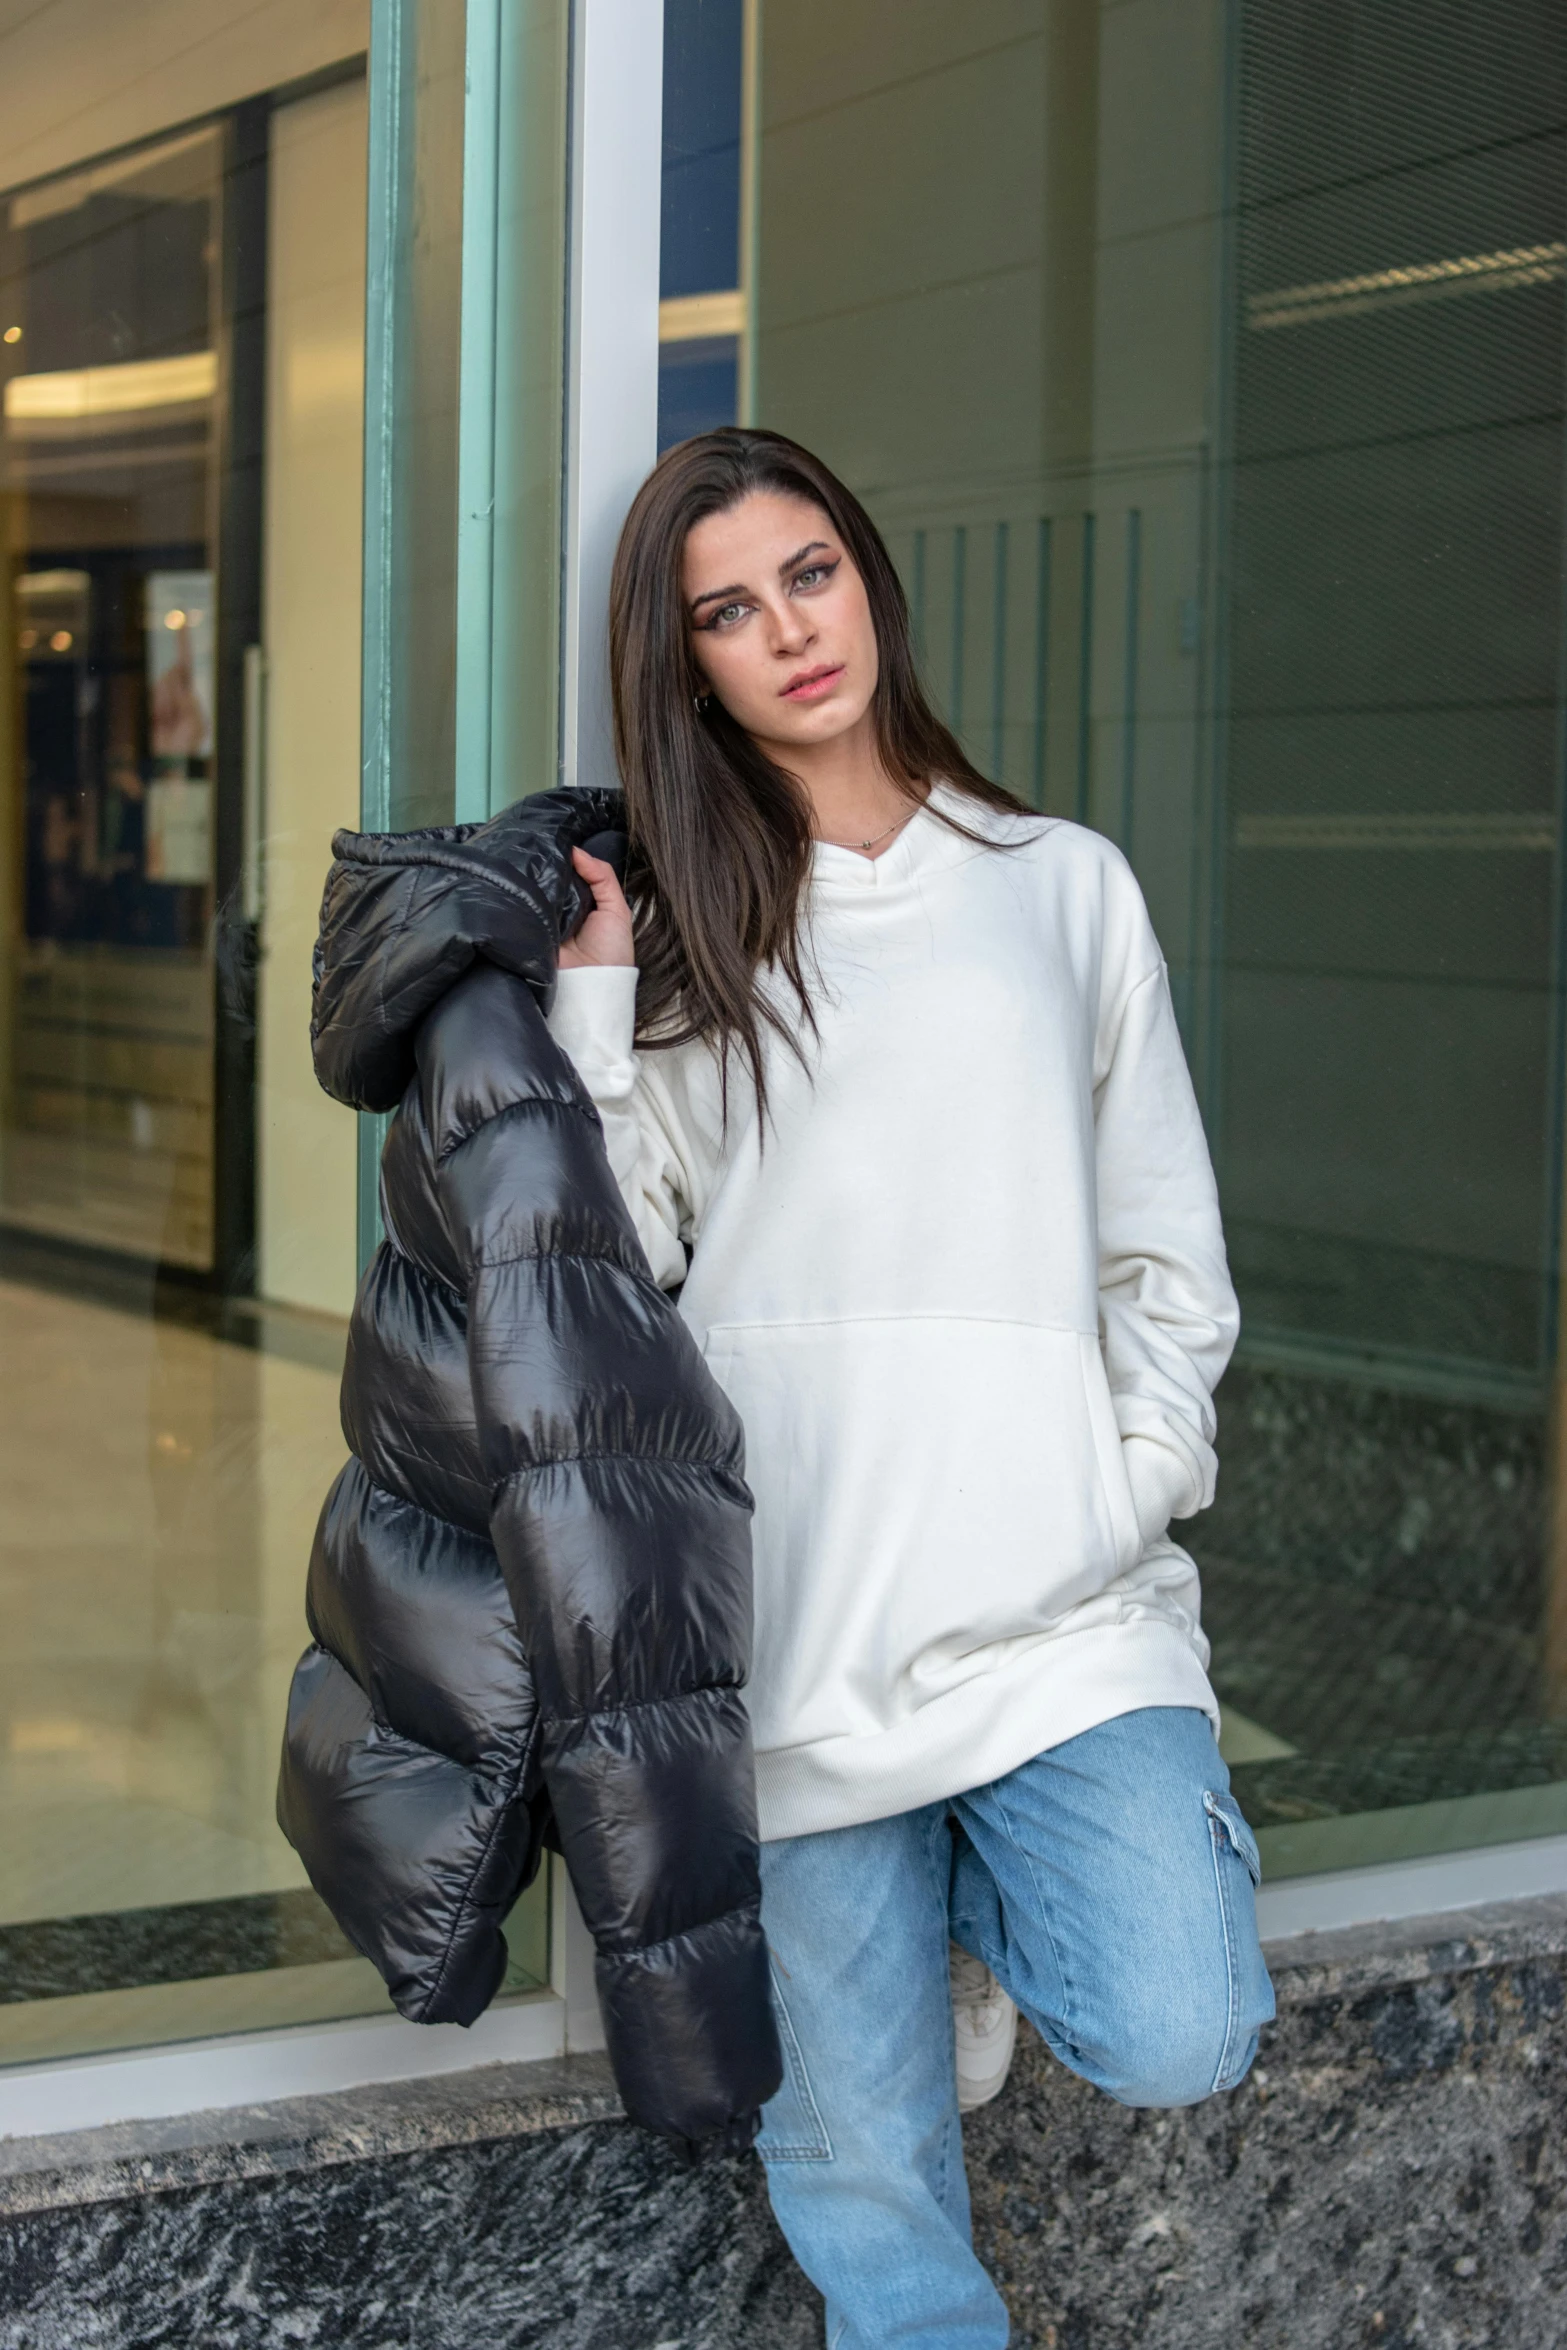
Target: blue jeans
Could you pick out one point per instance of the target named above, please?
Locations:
(1108, 1884)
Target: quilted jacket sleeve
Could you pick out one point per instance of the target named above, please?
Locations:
(621, 1521)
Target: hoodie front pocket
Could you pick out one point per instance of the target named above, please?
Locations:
(927, 1488)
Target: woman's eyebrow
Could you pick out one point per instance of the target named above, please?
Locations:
(737, 588)
(716, 596)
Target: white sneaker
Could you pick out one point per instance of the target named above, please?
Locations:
(984, 2028)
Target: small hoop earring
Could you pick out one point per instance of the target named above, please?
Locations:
(699, 704)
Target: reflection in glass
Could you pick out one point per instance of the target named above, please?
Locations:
(1389, 1064)
(1204, 369)
(701, 305)
(172, 1312)
(182, 369)
(110, 443)
(162, 1437)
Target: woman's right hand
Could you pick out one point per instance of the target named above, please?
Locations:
(605, 938)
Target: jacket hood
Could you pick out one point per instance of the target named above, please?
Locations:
(405, 914)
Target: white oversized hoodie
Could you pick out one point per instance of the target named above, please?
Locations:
(970, 1301)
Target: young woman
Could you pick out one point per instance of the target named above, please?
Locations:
(891, 1084)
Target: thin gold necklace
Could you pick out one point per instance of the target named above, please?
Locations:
(875, 836)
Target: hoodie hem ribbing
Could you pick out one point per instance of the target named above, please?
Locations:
(1055, 1690)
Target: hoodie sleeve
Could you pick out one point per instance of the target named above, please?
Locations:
(654, 1161)
(1167, 1312)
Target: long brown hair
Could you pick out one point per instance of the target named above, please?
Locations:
(720, 835)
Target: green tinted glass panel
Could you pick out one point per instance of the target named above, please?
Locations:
(1203, 366)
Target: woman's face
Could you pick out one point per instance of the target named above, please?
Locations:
(780, 622)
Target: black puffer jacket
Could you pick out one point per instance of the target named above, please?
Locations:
(530, 1594)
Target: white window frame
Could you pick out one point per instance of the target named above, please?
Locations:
(611, 430)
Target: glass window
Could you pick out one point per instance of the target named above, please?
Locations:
(113, 314)
(702, 317)
(1203, 366)
(182, 348)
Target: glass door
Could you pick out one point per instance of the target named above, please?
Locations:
(188, 332)
(113, 358)
(1203, 366)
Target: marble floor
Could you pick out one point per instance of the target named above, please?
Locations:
(161, 1486)
(160, 1490)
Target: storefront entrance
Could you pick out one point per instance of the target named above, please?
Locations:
(1202, 362)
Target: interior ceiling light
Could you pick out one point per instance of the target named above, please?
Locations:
(32, 585)
(1416, 281)
(13, 334)
(71, 395)
(689, 318)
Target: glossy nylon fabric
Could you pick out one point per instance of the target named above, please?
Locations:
(530, 1591)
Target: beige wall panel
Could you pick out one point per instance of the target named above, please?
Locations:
(1154, 342)
(936, 395)
(988, 274)
(836, 51)
(80, 76)
(1160, 89)
(934, 180)
(314, 452)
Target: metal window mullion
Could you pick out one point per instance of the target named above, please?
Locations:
(390, 174)
(617, 50)
(389, 171)
(750, 204)
(611, 440)
(476, 416)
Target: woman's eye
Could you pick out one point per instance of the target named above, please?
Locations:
(814, 574)
(727, 615)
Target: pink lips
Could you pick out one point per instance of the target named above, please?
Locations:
(811, 684)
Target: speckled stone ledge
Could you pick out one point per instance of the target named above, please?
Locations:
(483, 2211)
(1391, 2176)
(490, 2102)
(497, 2101)
(1308, 1967)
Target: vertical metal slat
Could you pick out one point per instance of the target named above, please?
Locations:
(1134, 594)
(1085, 677)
